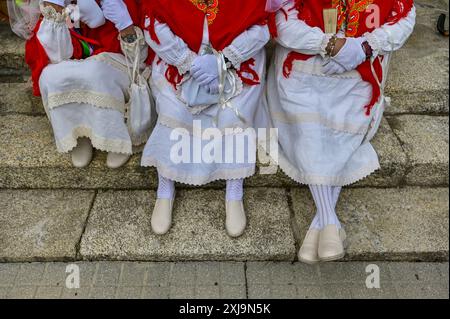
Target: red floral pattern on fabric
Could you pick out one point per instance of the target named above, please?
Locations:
(209, 7)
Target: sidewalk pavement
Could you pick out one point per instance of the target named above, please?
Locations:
(232, 280)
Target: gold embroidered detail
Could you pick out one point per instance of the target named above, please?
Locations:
(209, 7)
(349, 13)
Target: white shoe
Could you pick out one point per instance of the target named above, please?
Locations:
(82, 153)
(308, 253)
(236, 220)
(331, 243)
(116, 160)
(162, 216)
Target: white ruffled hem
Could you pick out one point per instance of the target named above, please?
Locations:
(309, 179)
(189, 179)
(69, 142)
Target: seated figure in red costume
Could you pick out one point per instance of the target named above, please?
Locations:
(325, 97)
(208, 77)
(79, 69)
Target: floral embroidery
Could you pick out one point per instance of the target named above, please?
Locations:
(209, 7)
(353, 15)
(349, 14)
(340, 6)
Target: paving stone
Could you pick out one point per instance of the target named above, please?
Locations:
(424, 87)
(387, 291)
(12, 51)
(129, 292)
(119, 228)
(133, 274)
(18, 98)
(107, 292)
(159, 274)
(156, 293)
(414, 291)
(22, 292)
(8, 274)
(414, 273)
(42, 224)
(49, 292)
(406, 224)
(425, 140)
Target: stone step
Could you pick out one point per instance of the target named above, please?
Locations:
(28, 159)
(425, 140)
(418, 81)
(408, 224)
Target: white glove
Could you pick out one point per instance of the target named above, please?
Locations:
(213, 87)
(205, 69)
(88, 12)
(350, 56)
(116, 11)
(331, 67)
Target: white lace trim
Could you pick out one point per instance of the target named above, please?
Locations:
(87, 97)
(69, 142)
(319, 119)
(115, 60)
(51, 15)
(197, 180)
(186, 62)
(324, 44)
(234, 56)
(374, 43)
(309, 179)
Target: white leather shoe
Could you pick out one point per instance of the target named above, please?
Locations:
(116, 160)
(236, 220)
(309, 251)
(162, 216)
(331, 243)
(82, 153)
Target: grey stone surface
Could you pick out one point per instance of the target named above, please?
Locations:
(277, 280)
(119, 228)
(12, 50)
(387, 224)
(42, 225)
(425, 141)
(29, 159)
(418, 80)
(17, 98)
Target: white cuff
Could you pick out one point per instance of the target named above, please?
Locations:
(374, 43)
(49, 13)
(233, 55)
(185, 65)
(323, 47)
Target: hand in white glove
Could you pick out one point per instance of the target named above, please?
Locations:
(213, 87)
(349, 57)
(88, 12)
(116, 11)
(205, 69)
(331, 67)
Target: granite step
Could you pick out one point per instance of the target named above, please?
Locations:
(407, 224)
(28, 159)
